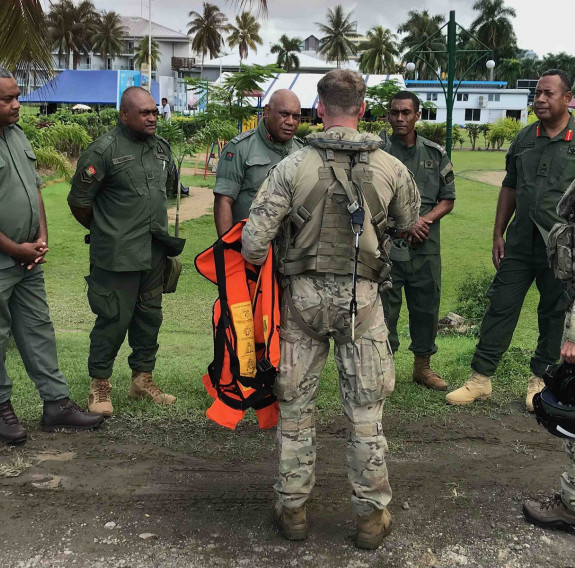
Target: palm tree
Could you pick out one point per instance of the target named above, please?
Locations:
(262, 5)
(336, 45)
(108, 40)
(419, 28)
(286, 50)
(245, 34)
(142, 53)
(24, 48)
(380, 49)
(72, 28)
(493, 27)
(207, 29)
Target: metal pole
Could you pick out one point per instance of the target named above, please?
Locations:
(451, 47)
(150, 46)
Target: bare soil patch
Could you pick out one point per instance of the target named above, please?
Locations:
(85, 499)
(200, 202)
(490, 177)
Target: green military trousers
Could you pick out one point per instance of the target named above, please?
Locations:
(126, 302)
(506, 294)
(24, 311)
(366, 378)
(420, 277)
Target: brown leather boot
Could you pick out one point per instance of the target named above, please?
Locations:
(99, 400)
(550, 515)
(292, 523)
(144, 387)
(424, 375)
(372, 528)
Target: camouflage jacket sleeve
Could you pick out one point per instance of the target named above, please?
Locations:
(569, 334)
(269, 208)
(404, 207)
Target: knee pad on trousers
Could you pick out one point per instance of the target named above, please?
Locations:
(366, 430)
(297, 425)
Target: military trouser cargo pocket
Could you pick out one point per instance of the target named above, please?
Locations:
(103, 301)
(375, 372)
(286, 386)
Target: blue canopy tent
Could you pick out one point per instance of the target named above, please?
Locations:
(86, 87)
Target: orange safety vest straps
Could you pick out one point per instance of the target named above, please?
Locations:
(246, 319)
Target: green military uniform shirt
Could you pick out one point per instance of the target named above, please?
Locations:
(244, 165)
(433, 173)
(124, 178)
(540, 170)
(19, 183)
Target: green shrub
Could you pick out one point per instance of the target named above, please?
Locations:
(374, 127)
(503, 130)
(109, 118)
(69, 139)
(434, 131)
(190, 125)
(472, 301)
(303, 130)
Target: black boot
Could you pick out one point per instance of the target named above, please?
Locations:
(65, 413)
(11, 431)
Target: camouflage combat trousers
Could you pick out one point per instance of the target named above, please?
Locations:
(568, 477)
(366, 377)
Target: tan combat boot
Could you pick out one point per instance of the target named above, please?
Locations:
(372, 528)
(292, 523)
(477, 387)
(424, 375)
(536, 384)
(99, 400)
(144, 387)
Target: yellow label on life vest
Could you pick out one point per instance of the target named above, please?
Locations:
(246, 349)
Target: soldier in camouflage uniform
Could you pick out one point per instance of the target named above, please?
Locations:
(559, 512)
(247, 159)
(306, 202)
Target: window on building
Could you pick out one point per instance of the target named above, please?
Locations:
(516, 114)
(131, 64)
(130, 46)
(495, 97)
(109, 63)
(431, 96)
(428, 114)
(472, 114)
(462, 96)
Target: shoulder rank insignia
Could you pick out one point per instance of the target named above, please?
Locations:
(428, 163)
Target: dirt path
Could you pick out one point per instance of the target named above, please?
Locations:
(200, 202)
(458, 484)
(490, 177)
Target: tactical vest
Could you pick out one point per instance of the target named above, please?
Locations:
(318, 236)
(246, 321)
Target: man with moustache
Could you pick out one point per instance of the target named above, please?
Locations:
(540, 166)
(119, 194)
(246, 160)
(23, 306)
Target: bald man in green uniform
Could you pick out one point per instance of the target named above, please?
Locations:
(416, 254)
(540, 166)
(246, 160)
(23, 306)
(119, 194)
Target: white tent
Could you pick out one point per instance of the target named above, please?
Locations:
(304, 85)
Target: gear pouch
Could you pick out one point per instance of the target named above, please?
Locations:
(172, 274)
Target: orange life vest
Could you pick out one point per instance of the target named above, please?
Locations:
(246, 320)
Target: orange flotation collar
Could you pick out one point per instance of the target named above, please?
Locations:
(246, 318)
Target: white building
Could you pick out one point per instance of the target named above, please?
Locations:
(475, 101)
(175, 50)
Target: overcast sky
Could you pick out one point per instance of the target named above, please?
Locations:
(541, 26)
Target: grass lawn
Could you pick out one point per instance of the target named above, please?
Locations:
(185, 337)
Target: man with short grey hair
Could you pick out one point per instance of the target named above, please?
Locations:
(23, 306)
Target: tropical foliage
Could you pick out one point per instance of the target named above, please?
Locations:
(108, 39)
(379, 96)
(422, 27)
(207, 29)
(245, 34)
(287, 49)
(143, 50)
(380, 50)
(24, 47)
(336, 44)
(493, 27)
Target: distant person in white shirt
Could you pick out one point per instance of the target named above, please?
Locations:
(165, 110)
